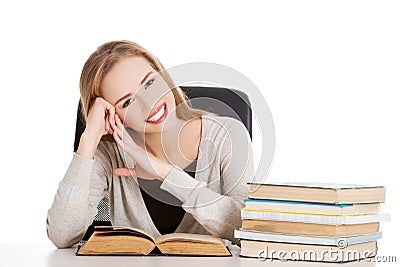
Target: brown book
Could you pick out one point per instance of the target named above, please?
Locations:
(318, 192)
(115, 240)
(299, 228)
(307, 252)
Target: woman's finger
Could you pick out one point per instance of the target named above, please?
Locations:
(123, 134)
(111, 131)
(122, 127)
(125, 172)
(110, 124)
(111, 111)
(118, 130)
(118, 121)
(118, 139)
(107, 122)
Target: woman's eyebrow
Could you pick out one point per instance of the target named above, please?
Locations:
(129, 94)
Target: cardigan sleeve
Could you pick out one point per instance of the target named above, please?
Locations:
(218, 213)
(75, 202)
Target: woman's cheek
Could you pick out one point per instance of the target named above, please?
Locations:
(133, 123)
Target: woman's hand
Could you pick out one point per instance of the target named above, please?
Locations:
(99, 118)
(146, 165)
(101, 114)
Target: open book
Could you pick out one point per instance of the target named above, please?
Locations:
(116, 240)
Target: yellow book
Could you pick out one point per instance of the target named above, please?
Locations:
(311, 207)
(116, 240)
(303, 212)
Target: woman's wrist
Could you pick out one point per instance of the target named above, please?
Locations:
(87, 145)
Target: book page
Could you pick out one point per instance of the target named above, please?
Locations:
(124, 229)
(188, 237)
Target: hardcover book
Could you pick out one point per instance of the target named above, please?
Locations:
(114, 240)
(318, 192)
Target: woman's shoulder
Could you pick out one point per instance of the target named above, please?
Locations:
(219, 126)
(225, 120)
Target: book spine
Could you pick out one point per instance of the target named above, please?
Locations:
(318, 219)
(316, 240)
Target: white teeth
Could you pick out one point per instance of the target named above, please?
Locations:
(157, 115)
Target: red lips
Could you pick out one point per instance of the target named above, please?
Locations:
(155, 111)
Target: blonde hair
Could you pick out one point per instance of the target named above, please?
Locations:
(106, 56)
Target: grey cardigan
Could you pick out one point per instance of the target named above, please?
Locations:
(212, 201)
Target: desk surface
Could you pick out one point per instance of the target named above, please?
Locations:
(48, 255)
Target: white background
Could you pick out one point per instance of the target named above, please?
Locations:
(329, 71)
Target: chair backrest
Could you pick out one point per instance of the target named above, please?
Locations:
(222, 101)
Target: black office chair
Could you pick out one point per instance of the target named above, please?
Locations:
(222, 101)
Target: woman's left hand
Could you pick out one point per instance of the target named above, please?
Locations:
(146, 165)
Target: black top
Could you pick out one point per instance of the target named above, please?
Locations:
(165, 209)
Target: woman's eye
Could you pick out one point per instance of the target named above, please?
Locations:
(149, 82)
(128, 102)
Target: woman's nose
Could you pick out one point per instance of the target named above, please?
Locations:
(146, 107)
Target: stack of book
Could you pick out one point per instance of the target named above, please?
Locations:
(312, 222)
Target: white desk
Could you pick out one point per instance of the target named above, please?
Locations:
(48, 255)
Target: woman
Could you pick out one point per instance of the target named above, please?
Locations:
(135, 113)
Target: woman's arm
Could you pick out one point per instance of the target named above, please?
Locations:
(218, 213)
(75, 203)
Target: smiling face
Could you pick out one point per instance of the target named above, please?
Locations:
(141, 97)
